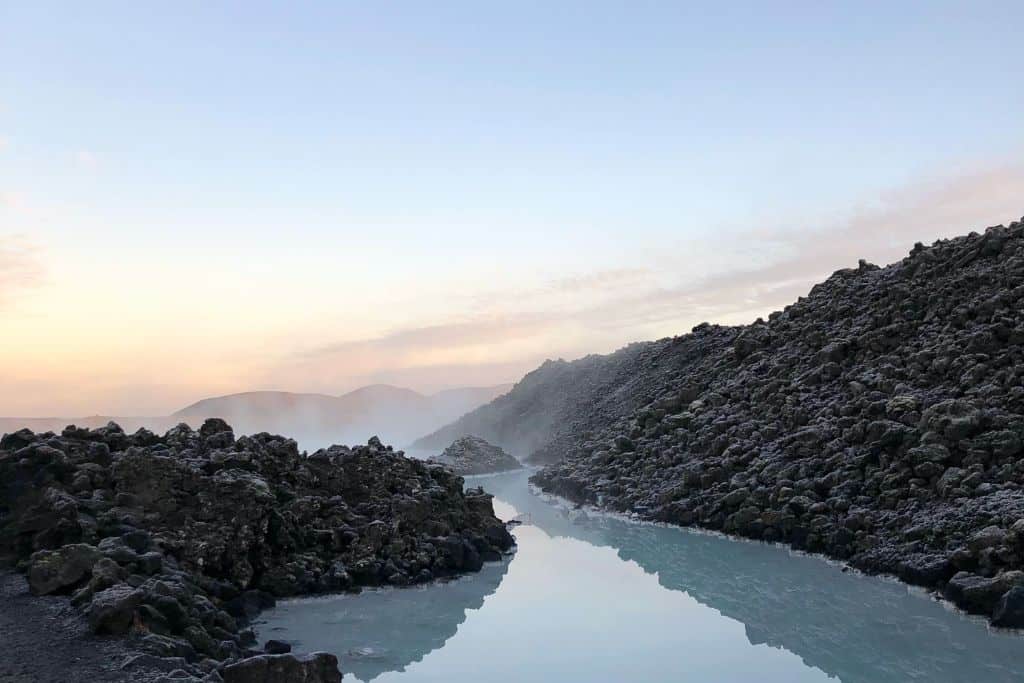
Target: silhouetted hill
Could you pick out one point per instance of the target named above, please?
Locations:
(393, 413)
(129, 423)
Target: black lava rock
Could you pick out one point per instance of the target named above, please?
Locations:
(878, 420)
(182, 539)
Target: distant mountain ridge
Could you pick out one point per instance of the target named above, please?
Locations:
(395, 414)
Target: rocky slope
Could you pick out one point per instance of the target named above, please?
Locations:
(473, 455)
(541, 415)
(879, 420)
(179, 540)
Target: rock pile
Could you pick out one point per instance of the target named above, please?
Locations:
(180, 540)
(879, 420)
(473, 455)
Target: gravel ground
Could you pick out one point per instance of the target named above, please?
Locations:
(44, 640)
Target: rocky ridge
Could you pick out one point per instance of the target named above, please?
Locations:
(472, 455)
(178, 541)
(541, 415)
(879, 420)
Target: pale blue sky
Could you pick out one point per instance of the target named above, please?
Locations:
(358, 170)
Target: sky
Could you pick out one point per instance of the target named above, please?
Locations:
(201, 198)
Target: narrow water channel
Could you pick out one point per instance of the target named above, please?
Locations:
(591, 598)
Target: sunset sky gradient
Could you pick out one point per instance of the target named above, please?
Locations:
(201, 198)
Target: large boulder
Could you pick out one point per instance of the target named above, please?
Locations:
(113, 610)
(277, 647)
(981, 594)
(1009, 612)
(319, 667)
(15, 440)
(473, 455)
(52, 571)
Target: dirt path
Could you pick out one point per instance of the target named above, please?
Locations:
(45, 640)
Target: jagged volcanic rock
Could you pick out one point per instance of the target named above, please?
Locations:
(179, 540)
(473, 455)
(879, 420)
(319, 666)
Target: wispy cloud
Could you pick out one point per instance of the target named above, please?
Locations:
(483, 350)
(883, 233)
(20, 267)
(85, 159)
(490, 337)
(600, 310)
(448, 335)
(600, 280)
(11, 200)
(450, 375)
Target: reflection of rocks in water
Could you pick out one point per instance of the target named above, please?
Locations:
(857, 628)
(382, 630)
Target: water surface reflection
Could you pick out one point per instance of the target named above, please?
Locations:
(595, 598)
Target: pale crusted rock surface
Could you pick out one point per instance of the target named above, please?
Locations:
(879, 420)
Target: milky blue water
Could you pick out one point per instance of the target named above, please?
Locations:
(590, 598)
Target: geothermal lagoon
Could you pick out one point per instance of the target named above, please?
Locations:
(590, 597)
